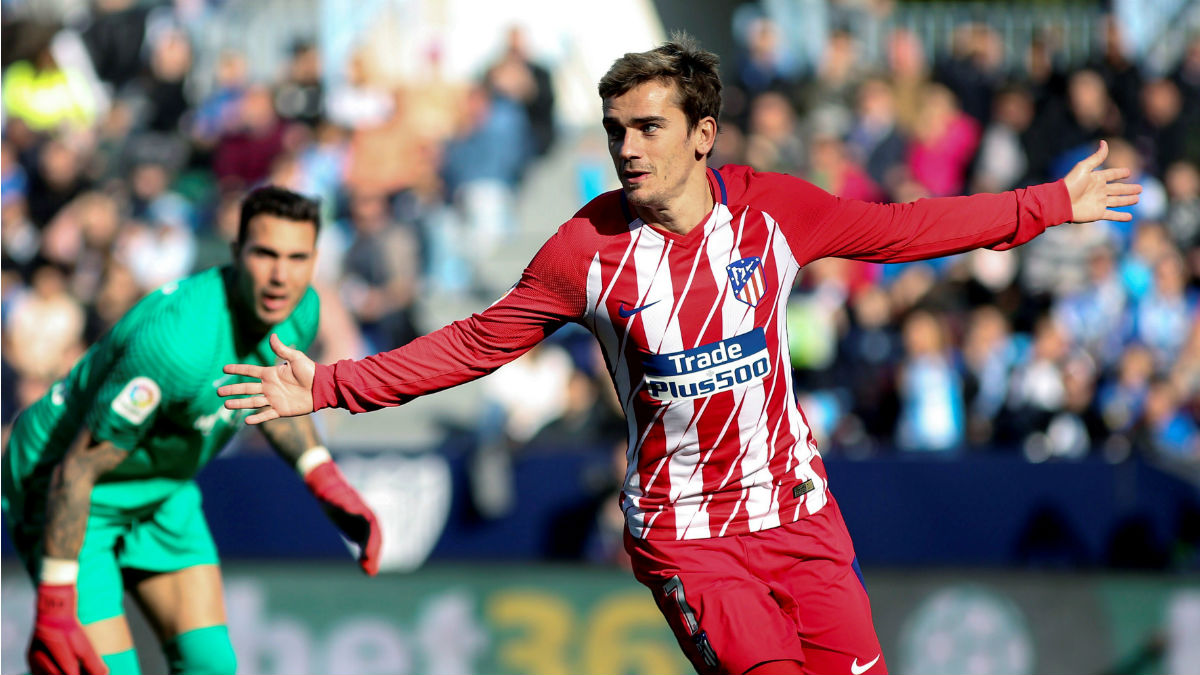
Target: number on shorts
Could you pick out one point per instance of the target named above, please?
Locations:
(674, 587)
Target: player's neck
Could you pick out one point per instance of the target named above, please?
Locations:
(250, 330)
(682, 214)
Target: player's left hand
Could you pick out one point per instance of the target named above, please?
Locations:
(284, 390)
(346, 508)
(58, 645)
(1094, 193)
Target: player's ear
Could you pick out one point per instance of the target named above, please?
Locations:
(706, 136)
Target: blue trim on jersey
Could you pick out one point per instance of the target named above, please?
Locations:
(858, 573)
(721, 182)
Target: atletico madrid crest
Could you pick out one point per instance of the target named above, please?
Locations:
(748, 281)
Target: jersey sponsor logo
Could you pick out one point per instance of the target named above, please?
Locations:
(856, 669)
(138, 399)
(58, 393)
(626, 313)
(747, 279)
(803, 488)
(709, 368)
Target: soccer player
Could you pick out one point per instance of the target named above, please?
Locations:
(683, 275)
(97, 474)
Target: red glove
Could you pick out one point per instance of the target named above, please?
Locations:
(348, 511)
(59, 645)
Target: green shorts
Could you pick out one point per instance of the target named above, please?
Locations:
(168, 537)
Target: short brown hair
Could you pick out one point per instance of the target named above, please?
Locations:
(681, 62)
(277, 201)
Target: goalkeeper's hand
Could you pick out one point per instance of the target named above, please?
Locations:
(59, 646)
(348, 511)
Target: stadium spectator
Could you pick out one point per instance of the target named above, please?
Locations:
(82, 238)
(1122, 398)
(874, 138)
(908, 72)
(1152, 206)
(828, 98)
(1186, 75)
(361, 99)
(1089, 115)
(1007, 151)
(974, 70)
(1165, 314)
(1097, 314)
(46, 95)
(532, 87)
(300, 97)
(219, 112)
(761, 66)
(773, 138)
(1037, 390)
(831, 167)
(989, 352)
(1121, 75)
(245, 152)
(1163, 134)
(483, 164)
(45, 331)
(943, 143)
(1167, 429)
(160, 88)
(114, 38)
(1182, 184)
(380, 272)
(58, 178)
(932, 416)
(1150, 243)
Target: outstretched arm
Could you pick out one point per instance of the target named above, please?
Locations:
(820, 225)
(58, 644)
(284, 390)
(551, 292)
(297, 442)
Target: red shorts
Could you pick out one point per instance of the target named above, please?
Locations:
(790, 593)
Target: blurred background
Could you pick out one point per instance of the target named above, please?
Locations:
(1013, 437)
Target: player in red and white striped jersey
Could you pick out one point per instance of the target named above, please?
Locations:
(682, 276)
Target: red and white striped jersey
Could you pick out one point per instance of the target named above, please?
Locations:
(693, 332)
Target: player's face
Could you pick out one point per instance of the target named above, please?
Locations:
(275, 265)
(652, 150)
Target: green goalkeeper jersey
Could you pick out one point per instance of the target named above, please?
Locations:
(149, 386)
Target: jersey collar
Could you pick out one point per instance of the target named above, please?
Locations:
(716, 187)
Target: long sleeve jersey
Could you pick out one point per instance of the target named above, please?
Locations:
(693, 333)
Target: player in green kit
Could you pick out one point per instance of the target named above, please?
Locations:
(98, 474)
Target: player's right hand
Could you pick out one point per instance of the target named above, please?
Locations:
(348, 511)
(284, 390)
(59, 646)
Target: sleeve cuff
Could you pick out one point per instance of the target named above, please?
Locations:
(324, 389)
(1058, 202)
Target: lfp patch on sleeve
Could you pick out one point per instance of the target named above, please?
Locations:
(137, 399)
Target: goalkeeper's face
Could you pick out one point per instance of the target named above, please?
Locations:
(275, 265)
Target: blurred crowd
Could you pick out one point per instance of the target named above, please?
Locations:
(121, 173)
(124, 163)
(1085, 341)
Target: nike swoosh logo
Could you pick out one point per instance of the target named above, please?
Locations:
(626, 313)
(856, 669)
